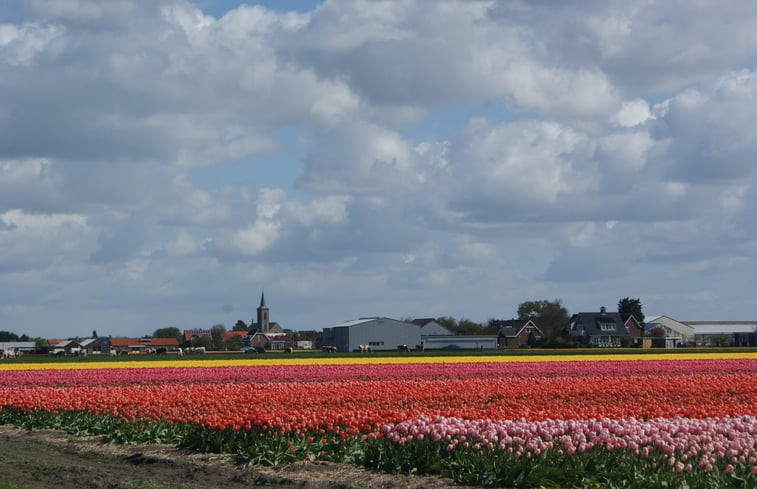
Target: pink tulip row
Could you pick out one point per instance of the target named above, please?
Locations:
(305, 373)
(682, 443)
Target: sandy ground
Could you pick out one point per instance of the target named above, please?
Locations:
(53, 459)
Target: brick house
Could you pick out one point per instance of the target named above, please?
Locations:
(516, 332)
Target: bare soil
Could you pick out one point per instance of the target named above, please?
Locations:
(53, 459)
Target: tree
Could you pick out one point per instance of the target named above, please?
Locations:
(8, 336)
(550, 316)
(462, 327)
(202, 341)
(492, 326)
(628, 307)
(171, 332)
(240, 326)
(216, 336)
(233, 343)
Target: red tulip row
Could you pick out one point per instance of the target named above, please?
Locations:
(363, 398)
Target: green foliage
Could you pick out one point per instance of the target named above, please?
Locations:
(8, 336)
(233, 343)
(594, 468)
(202, 341)
(113, 429)
(550, 316)
(628, 307)
(216, 336)
(171, 332)
(240, 326)
(5, 485)
(462, 327)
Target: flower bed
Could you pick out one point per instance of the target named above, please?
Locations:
(554, 423)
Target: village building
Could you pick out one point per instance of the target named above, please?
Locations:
(724, 333)
(517, 333)
(383, 333)
(604, 329)
(263, 334)
(143, 345)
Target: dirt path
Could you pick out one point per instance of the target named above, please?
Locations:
(52, 459)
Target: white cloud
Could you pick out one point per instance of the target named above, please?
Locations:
(395, 157)
(256, 238)
(35, 241)
(20, 45)
(633, 113)
(511, 168)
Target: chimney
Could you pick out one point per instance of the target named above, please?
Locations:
(603, 310)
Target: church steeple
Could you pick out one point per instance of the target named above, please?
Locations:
(263, 324)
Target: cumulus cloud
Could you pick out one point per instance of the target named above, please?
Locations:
(537, 149)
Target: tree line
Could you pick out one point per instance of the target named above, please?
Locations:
(549, 315)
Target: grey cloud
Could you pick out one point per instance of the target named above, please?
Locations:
(582, 265)
(652, 48)
(706, 134)
(550, 193)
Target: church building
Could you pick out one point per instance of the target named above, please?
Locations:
(263, 323)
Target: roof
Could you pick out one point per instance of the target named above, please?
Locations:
(230, 334)
(591, 322)
(355, 322)
(144, 342)
(422, 321)
(6, 345)
(164, 342)
(722, 327)
(512, 327)
(270, 335)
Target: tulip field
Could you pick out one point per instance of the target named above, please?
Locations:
(623, 420)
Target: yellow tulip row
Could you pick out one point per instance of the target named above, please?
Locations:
(368, 360)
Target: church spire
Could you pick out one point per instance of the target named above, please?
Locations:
(263, 320)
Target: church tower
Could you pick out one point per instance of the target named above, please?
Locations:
(263, 324)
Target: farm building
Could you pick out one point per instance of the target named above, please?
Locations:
(96, 345)
(724, 333)
(18, 346)
(143, 345)
(382, 333)
(674, 332)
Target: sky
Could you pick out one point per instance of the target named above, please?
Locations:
(164, 162)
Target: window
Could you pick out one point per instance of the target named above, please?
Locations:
(375, 343)
(607, 326)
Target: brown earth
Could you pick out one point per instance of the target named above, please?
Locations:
(53, 459)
